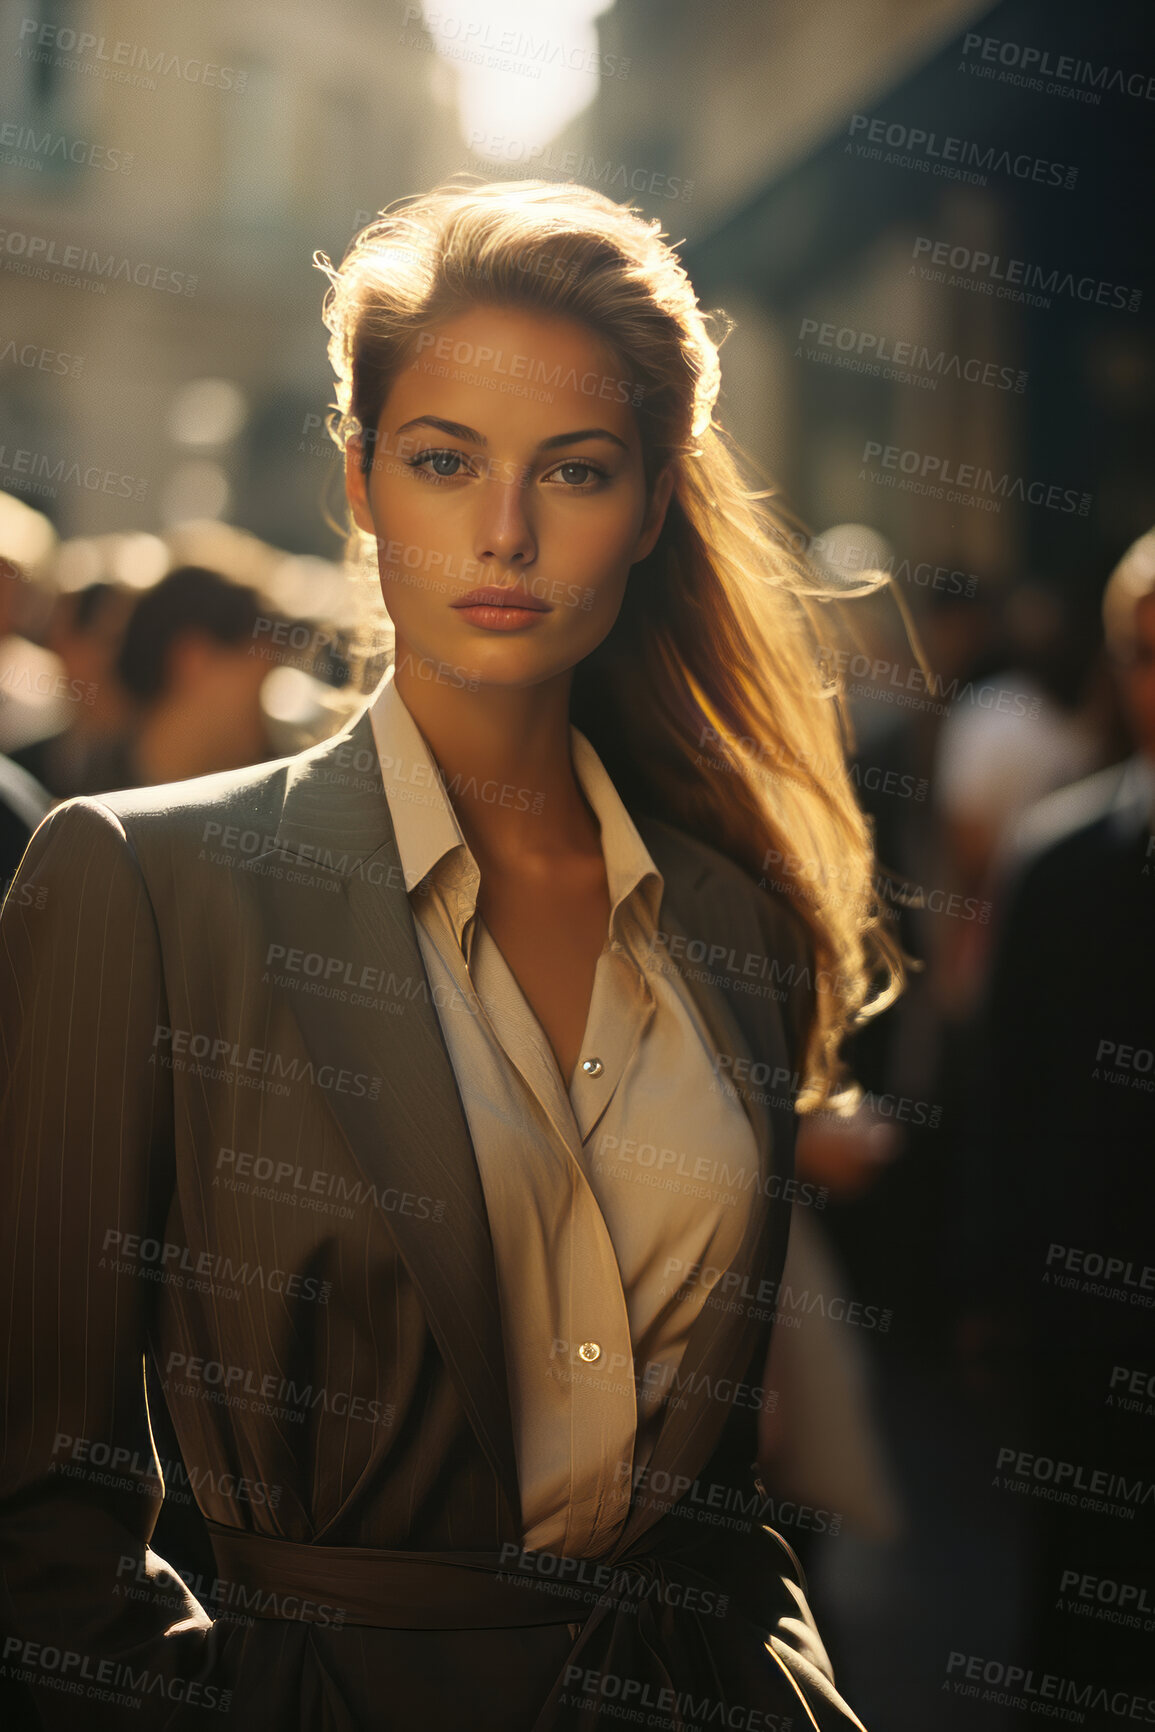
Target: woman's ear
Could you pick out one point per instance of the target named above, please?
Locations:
(656, 509)
(356, 485)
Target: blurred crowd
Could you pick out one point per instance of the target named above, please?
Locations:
(1009, 1096)
(131, 660)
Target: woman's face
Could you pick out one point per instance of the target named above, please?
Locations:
(508, 459)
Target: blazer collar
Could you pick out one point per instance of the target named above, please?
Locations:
(335, 824)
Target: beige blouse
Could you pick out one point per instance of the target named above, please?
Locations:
(590, 1186)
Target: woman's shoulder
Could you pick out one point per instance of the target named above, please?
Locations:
(171, 806)
(169, 816)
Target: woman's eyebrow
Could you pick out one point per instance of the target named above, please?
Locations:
(458, 430)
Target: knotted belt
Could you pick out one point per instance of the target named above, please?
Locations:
(658, 1632)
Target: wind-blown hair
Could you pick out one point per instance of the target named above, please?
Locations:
(707, 702)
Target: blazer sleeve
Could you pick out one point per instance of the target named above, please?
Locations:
(97, 1627)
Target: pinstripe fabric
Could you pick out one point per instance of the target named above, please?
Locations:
(232, 1138)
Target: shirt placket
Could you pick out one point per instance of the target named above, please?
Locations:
(621, 1009)
(578, 1337)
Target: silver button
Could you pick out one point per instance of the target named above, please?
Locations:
(593, 1066)
(589, 1351)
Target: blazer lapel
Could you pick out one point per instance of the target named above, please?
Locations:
(341, 896)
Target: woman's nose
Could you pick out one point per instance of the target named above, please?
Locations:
(504, 529)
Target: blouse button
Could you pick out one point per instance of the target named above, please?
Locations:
(590, 1351)
(593, 1066)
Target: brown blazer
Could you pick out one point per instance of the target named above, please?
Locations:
(233, 1140)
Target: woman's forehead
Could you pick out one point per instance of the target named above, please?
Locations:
(535, 377)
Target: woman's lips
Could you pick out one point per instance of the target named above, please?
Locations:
(500, 609)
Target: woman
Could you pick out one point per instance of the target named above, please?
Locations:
(335, 1084)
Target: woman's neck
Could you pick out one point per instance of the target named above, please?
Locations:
(504, 754)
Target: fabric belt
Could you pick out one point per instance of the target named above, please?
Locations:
(277, 1578)
(649, 1619)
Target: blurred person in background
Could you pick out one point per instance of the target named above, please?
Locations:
(1032, 724)
(83, 632)
(187, 664)
(63, 608)
(23, 802)
(1054, 1200)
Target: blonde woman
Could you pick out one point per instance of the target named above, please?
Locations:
(424, 1103)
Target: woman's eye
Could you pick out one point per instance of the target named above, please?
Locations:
(418, 463)
(443, 466)
(591, 470)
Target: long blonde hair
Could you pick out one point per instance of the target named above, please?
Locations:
(714, 669)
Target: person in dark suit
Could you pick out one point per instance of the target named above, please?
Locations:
(1061, 1203)
(422, 1105)
(23, 803)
